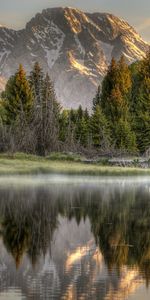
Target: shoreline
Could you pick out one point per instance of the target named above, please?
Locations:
(21, 164)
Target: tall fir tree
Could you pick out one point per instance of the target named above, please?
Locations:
(97, 98)
(18, 96)
(63, 125)
(108, 84)
(117, 81)
(82, 127)
(100, 129)
(115, 101)
(36, 79)
(124, 78)
(141, 103)
(84, 134)
(86, 115)
(78, 123)
(125, 137)
(46, 119)
(71, 130)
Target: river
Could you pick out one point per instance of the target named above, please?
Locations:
(74, 238)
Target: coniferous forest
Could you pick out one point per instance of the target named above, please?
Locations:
(33, 121)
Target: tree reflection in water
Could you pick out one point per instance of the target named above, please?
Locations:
(119, 220)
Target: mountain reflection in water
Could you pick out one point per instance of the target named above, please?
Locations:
(75, 241)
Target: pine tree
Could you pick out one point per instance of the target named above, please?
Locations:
(117, 82)
(79, 113)
(108, 84)
(82, 127)
(78, 123)
(86, 115)
(36, 79)
(18, 96)
(71, 131)
(124, 78)
(73, 116)
(125, 137)
(141, 104)
(84, 134)
(118, 107)
(97, 98)
(63, 125)
(100, 129)
(115, 101)
(46, 120)
(46, 111)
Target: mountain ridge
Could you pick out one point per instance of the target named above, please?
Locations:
(74, 47)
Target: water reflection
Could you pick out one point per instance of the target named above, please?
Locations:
(75, 241)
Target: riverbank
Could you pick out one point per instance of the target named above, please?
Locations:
(30, 164)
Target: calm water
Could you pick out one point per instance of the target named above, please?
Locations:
(74, 238)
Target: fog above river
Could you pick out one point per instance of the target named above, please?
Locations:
(62, 180)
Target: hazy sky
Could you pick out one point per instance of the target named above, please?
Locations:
(15, 13)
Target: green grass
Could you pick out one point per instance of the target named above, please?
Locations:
(30, 164)
(65, 157)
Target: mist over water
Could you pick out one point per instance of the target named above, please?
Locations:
(73, 237)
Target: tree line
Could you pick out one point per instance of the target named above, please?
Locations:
(33, 121)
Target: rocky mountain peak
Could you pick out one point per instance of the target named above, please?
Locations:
(73, 46)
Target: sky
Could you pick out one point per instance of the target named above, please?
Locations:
(15, 13)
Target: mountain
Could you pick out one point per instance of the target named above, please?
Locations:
(73, 46)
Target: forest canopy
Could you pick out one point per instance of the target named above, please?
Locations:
(33, 121)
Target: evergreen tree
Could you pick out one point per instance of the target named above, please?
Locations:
(18, 96)
(70, 133)
(78, 123)
(79, 113)
(82, 126)
(141, 103)
(125, 137)
(46, 119)
(73, 116)
(63, 125)
(116, 88)
(109, 83)
(86, 115)
(124, 78)
(117, 106)
(122, 133)
(97, 98)
(36, 79)
(115, 101)
(84, 133)
(100, 129)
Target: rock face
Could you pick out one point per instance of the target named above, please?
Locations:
(75, 48)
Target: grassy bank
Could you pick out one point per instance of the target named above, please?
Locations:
(29, 164)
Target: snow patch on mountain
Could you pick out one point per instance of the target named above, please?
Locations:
(79, 45)
(53, 54)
